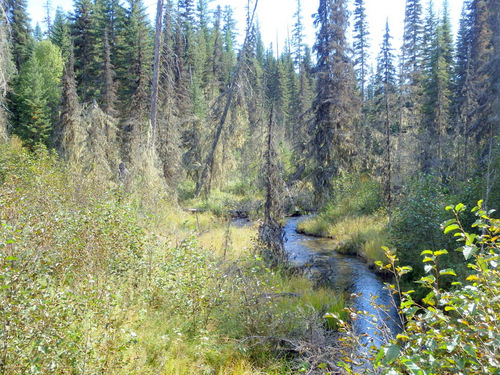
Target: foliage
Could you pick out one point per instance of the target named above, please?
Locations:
(452, 331)
(416, 224)
(38, 93)
(89, 283)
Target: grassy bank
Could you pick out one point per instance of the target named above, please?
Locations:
(95, 280)
(354, 220)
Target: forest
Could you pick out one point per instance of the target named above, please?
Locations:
(148, 170)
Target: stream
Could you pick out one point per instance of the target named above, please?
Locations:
(319, 260)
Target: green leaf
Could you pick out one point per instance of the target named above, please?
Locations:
(468, 251)
(450, 228)
(391, 354)
(447, 271)
(427, 252)
(440, 252)
(460, 207)
(429, 298)
(11, 258)
(414, 369)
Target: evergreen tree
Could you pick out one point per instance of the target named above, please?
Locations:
(361, 45)
(411, 67)
(135, 60)
(83, 35)
(108, 97)
(20, 30)
(462, 90)
(438, 90)
(69, 135)
(386, 80)
(298, 36)
(47, 20)
(336, 104)
(37, 33)
(38, 93)
(60, 32)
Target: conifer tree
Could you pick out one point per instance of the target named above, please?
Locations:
(298, 36)
(37, 33)
(336, 104)
(411, 67)
(135, 60)
(438, 90)
(361, 45)
(108, 98)
(38, 93)
(47, 20)
(60, 33)
(386, 79)
(462, 90)
(168, 115)
(69, 134)
(20, 30)
(83, 35)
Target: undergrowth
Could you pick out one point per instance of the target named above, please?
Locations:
(92, 283)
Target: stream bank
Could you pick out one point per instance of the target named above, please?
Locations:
(317, 258)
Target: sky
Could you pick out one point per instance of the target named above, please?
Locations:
(276, 21)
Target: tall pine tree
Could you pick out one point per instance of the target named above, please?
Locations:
(336, 104)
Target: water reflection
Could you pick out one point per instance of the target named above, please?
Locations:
(347, 274)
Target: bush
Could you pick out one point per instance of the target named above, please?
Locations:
(452, 331)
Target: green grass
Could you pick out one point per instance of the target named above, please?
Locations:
(94, 281)
(359, 235)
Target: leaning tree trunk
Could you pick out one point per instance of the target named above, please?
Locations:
(207, 169)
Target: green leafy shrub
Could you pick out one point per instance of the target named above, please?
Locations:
(452, 331)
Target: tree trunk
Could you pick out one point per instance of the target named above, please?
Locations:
(209, 162)
(156, 72)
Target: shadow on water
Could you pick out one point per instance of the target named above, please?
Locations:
(316, 256)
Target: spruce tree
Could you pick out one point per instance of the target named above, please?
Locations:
(38, 93)
(135, 60)
(69, 135)
(336, 104)
(411, 69)
(361, 45)
(386, 81)
(60, 33)
(84, 40)
(6, 72)
(438, 91)
(108, 97)
(298, 36)
(20, 30)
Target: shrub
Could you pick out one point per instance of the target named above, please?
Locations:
(452, 331)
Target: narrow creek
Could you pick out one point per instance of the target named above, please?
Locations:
(319, 260)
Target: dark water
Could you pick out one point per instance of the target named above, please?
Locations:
(346, 274)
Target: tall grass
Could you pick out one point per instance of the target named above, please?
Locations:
(354, 219)
(92, 283)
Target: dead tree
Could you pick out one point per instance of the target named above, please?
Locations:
(271, 231)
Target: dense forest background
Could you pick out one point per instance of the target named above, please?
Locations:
(119, 119)
(84, 87)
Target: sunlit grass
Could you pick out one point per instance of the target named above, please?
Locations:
(361, 235)
(229, 241)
